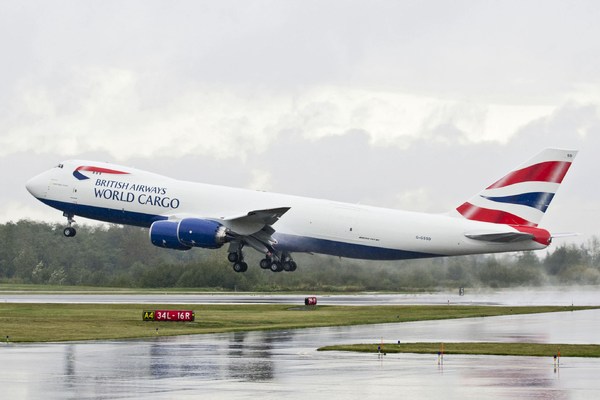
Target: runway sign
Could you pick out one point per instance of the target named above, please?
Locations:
(169, 315)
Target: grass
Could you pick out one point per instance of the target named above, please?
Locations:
(28, 288)
(66, 322)
(501, 349)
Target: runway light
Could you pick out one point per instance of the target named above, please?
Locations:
(310, 301)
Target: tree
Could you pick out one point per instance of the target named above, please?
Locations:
(113, 255)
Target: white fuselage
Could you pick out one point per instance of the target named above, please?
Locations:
(139, 198)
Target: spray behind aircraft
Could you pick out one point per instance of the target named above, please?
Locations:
(503, 217)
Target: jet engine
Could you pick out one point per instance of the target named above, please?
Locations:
(188, 233)
(201, 233)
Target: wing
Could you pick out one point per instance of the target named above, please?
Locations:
(255, 228)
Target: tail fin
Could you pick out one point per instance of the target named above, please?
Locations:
(523, 195)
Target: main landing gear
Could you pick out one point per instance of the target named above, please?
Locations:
(69, 231)
(285, 263)
(277, 264)
(274, 262)
(237, 258)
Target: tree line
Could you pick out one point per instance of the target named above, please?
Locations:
(122, 256)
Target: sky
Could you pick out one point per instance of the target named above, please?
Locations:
(414, 105)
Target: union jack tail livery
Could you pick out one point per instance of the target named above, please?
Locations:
(522, 196)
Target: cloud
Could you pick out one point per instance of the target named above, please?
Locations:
(407, 105)
(110, 110)
(261, 180)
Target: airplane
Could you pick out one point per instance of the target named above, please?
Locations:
(180, 215)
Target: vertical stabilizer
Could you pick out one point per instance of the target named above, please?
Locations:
(522, 196)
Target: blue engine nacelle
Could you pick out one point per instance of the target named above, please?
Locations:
(188, 233)
(201, 233)
(164, 234)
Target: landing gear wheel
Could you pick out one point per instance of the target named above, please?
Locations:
(276, 266)
(240, 267)
(290, 266)
(69, 231)
(233, 257)
(265, 263)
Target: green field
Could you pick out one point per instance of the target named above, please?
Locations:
(502, 349)
(64, 322)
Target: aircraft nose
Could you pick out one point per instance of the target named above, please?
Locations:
(37, 186)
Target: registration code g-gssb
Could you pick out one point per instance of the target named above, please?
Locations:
(419, 237)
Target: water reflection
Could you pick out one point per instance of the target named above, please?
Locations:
(285, 363)
(70, 372)
(174, 359)
(537, 379)
(245, 356)
(250, 356)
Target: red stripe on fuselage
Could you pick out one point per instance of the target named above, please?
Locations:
(475, 213)
(549, 171)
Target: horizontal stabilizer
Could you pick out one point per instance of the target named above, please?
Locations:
(561, 235)
(501, 237)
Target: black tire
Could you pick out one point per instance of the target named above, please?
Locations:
(290, 266)
(276, 266)
(293, 266)
(233, 257)
(240, 267)
(69, 231)
(265, 263)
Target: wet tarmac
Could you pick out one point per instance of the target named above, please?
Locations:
(285, 364)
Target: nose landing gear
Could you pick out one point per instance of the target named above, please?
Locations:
(69, 231)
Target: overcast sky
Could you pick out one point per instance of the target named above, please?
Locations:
(406, 104)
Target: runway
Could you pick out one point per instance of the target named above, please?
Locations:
(285, 364)
(586, 296)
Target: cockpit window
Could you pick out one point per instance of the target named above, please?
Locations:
(59, 166)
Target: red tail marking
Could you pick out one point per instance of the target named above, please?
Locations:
(475, 213)
(549, 171)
